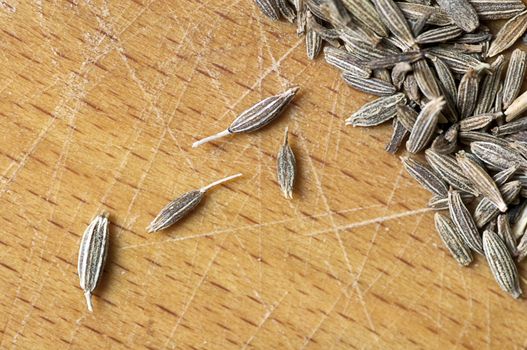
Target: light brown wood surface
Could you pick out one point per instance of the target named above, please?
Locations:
(99, 104)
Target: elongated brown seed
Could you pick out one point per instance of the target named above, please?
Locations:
(345, 61)
(467, 94)
(438, 35)
(377, 111)
(426, 79)
(269, 8)
(452, 240)
(461, 12)
(399, 133)
(517, 107)
(313, 39)
(508, 34)
(394, 20)
(256, 117)
(447, 167)
(501, 264)
(366, 14)
(495, 155)
(503, 176)
(286, 167)
(372, 86)
(425, 176)
(497, 9)
(505, 233)
(486, 210)
(514, 77)
(181, 206)
(425, 125)
(481, 180)
(92, 255)
(464, 222)
(489, 87)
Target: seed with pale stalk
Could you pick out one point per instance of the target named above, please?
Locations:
(256, 117)
(92, 255)
(180, 207)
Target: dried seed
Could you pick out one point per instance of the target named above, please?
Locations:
(425, 176)
(464, 222)
(501, 264)
(399, 72)
(376, 112)
(398, 134)
(411, 88)
(425, 125)
(286, 168)
(345, 61)
(495, 155)
(394, 20)
(452, 240)
(363, 52)
(92, 255)
(439, 35)
(517, 107)
(406, 115)
(493, 9)
(301, 12)
(508, 34)
(330, 11)
(478, 121)
(446, 79)
(474, 38)
(447, 167)
(446, 143)
(503, 176)
(498, 104)
(420, 23)
(437, 16)
(269, 8)
(520, 224)
(467, 137)
(441, 202)
(505, 233)
(467, 94)
(372, 86)
(366, 14)
(457, 61)
(514, 77)
(521, 249)
(490, 87)
(426, 79)
(461, 12)
(511, 128)
(255, 117)
(486, 210)
(286, 10)
(181, 206)
(313, 39)
(383, 74)
(392, 60)
(481, 180)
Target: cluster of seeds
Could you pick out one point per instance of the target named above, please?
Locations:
(440, 78)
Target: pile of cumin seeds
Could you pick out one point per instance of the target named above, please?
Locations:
(444, 82)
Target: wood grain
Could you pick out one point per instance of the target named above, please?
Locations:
(100, 103)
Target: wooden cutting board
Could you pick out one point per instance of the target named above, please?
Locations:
(100, 103)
